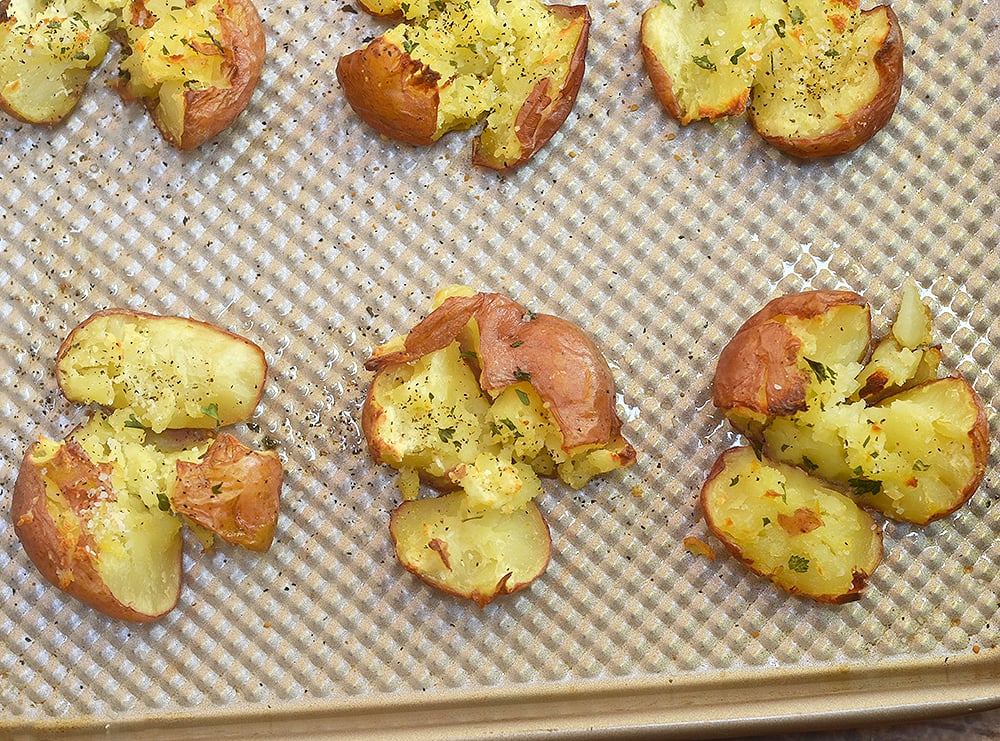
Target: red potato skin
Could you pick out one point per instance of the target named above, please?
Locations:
(141, 316)
(391, 92)
(66, 561)
(858, 583)
(864, 123)
(561, 362)
(234, 492)
(757, 369)
(544, 111)
(209, 112)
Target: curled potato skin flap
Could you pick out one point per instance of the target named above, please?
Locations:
(561, 362)
(391, 91)
(234, 491)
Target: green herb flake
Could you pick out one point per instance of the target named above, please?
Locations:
(523, 397)
(861, 486)
(521, 375)
(517, 343)
(919, 465)
(808, 464)
(446, 433)
(667, 2)
(734, 481)
(737, 54)
(162, 502)
(796, 15)
(508, 424)
(832, 53)
(217, 489)
(409, 46)
(779, 28)
(798, 564)
(705, 63)
(822, 372)
(767, 521)
(215, 41)
(469, 355)
(212, 411)
(134, 423)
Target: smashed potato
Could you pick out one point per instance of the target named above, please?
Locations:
(784, 524)
(194, 65)
(484, 397)
(818, 77)
(96, 511)
(801, 381)
(517, 63)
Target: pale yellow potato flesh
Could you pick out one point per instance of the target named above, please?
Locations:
(470, 552)
(806, 537)
(171, 372)
(47, 53)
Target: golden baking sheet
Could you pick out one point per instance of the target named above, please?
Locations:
(303, 231)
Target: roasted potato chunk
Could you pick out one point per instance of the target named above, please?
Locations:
(798, 379)
(194, 65)
(468, 552)
(172, 372)
(485, 397)
(516, 63)
(821, 77)
(95, 512)
(806, 537)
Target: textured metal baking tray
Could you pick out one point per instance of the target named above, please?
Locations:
(318, 240)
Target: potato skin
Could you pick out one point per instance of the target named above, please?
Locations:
(864, 123)
(234, 492)
(66, 562)
(757, 369)
(392, 92)
(545, 110)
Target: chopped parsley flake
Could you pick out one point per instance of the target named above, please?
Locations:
(446, 433)
(521, 375)
(134, 423)
(523, 397)
(705, 63)
(822, 372)
(862, 486)
(212, 411)
(162, 502)
(798, 564)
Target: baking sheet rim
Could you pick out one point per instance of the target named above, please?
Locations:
(767, 700)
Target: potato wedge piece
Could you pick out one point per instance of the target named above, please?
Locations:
(916, 456)
(797, 342)
(807, 538)
(233, 492)
(171, 372)
(853, 80)
(558, 359)
(469, 552)
(47, 53)
(194, 65)
(93, 539)
(518, 63)
(820, 76)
